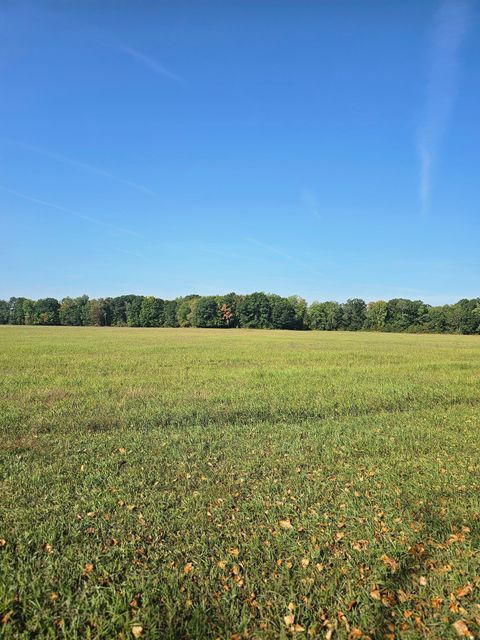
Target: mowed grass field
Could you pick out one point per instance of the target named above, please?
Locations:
(172, 483)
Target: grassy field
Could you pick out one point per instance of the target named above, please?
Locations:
(164, 483)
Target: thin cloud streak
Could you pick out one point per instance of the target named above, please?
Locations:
(72, 212)
(450, 28)
(86, 167)
(287, 256)
(151, 64)
(310, 201)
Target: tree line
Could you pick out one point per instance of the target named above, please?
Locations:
(255, 310)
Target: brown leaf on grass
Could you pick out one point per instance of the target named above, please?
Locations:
(88, 569)
(360, 545)
(462, 630)
(354, 634)
(3, 542)
(286, 524)
(7, 616)
(122, 450)
(137, 631)
(389, 562)
(234, 551)
(456, 537)
(221, 564)
(375, 593)
(422, 581)
(289, 620)
(46, 546)
(464, 591)
(297, 628)
(188, 568)
(305, 562)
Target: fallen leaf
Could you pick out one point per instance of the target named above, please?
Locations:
(389, 562)
(375, 593)
(234, 551)
(305, 562)
(422, 581)
(7, 617)
(137, 631)
(462, 630)
(46, 546)
(464, 591)
(289, 620)
(188, 567)
(286, 524)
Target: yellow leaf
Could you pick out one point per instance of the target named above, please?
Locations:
(462, 630)
(464, 591)
(305, 562)
(389, 562)
(122, 450)
(188, 567)
(221, 564)
(423, 581)
(289, 620)
(375, 593)
(137, 631)
(234, 551)
(297, 628)
(286, 524)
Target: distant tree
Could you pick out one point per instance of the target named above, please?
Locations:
(151, 312)
(282, 313)
(170, 313)
(185, 310)
(4, 312)
(205, 312)
(229, 315)
(254, 311)
(404, 314)
(74, 311)
(29, 311)
(133, 310)
(226, 315)
(16, 312)
(354, 313)
(100, 312)
(376, 315)
(45, 311)
(324, 316)
(301, 309)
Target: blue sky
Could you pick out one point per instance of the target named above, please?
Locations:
(329, 149)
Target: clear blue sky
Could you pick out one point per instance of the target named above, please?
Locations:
(329, 149)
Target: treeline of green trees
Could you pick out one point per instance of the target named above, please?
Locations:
(255, 310)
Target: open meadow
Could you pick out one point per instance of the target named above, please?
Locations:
(189, 483)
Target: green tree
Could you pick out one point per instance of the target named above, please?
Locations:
(45, 311)
(376, 315)
(151, 312)
(354, 313)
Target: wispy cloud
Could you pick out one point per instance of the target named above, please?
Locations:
(72, 212)
(310, 201)
(84, 166)
(286, 256)
(450, 27)
(152, 64)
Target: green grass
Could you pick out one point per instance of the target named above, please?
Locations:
(238, 484)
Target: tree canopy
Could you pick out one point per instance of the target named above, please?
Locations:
(257, 310)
